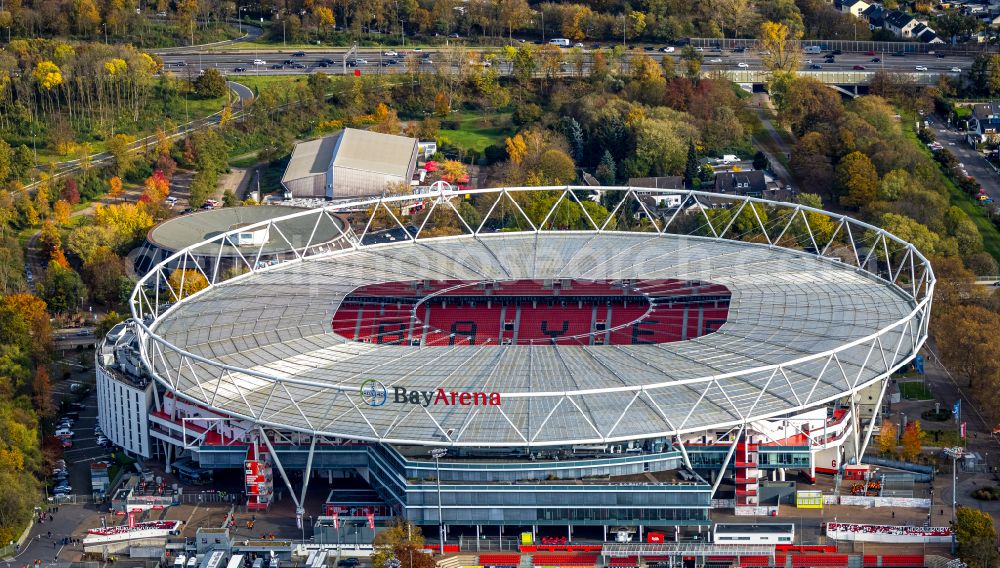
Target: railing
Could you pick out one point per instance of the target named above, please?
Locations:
(829, 77)
(880, 47)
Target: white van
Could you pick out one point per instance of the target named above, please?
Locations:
(813, 49)
(561, 42)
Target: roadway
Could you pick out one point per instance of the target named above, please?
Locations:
(330, 60)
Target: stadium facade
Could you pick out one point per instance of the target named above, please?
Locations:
(630, 371)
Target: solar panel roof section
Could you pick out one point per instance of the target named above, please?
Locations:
(785, 305)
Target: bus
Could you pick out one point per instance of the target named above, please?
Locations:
(560, 41)
(762, 533)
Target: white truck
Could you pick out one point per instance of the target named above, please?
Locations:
(561, 42)
(813, 49)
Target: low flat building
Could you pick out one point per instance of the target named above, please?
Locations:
(353, 163)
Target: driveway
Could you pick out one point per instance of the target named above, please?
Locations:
(975, 163)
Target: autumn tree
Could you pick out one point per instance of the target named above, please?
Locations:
(976, 536)
(887, 437)
(402, 541)
(856, 180)
(120, 148)
(780, 46)
(106, 275)
(184, 282)
(386, 120)
(129, 221)
(911, 441)
(41, 388)
(115, 188)
(61, 288)
(34, 312)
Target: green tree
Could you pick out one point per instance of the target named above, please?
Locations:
(6, 161)
(893, 185)
(976, 536)
(691, 166)
(119, 147)
(856, 180)
(605, 172)
(210, 84)
(62, 288)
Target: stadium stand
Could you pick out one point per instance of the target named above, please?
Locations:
(565, 312)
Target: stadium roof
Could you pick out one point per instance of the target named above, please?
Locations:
(375, 152)
(803, 329)
(183, 231)
(310, 158)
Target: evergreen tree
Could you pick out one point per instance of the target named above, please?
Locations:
(760, 161)
(691, 168)
(574, 134)
(606, 169)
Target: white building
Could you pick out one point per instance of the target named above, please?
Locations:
(124, 392)
(354, 163)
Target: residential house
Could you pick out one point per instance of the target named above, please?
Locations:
(925, 34)
(854, 7)
(752, 183)
(985, 122)
(661, 182)
(900, 24)
(875, 16)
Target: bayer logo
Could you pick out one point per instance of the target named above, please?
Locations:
(373, 393)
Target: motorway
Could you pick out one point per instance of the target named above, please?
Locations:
(282, 61)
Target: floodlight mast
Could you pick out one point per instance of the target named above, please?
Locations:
(437, 454)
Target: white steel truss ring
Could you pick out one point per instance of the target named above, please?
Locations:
(290, 395)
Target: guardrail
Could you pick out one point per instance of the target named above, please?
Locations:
(851, 45)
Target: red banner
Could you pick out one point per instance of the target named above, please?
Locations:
(131, 520)
(963, 429)
(336, 524)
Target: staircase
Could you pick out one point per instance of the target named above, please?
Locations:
(747, 475)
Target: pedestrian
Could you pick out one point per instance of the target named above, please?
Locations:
(894, 514)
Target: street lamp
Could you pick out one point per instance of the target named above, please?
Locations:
(954, 453)
(437, 454)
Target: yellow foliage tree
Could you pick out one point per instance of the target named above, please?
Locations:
(61, 212)
(324, 17)
(887, 437)
(780, 46)
(115, 67)
(48, 75)
(517, 148)
(185, 282)
(129, 221)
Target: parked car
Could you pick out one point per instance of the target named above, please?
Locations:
(67, 443)
(63, 432)
(171, 201)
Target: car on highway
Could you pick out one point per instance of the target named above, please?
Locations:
(348, 562)
(815, 66)
(239, 69)
(322, 64)
(836, 52)
(920, 68)
(743, 65)
(161, 14)
(899, 54)
(454, 36)
(740, 49)
(299, 54)
(180, 64)
(939, 55)
(259, 62)
(859, 67)
(956, 69)
(390, 53)
(715, 60)
(578, 45)
(287, 62)
(668, 49)
(870, 52)
(876, 60)
(297, 66)
(277, 66)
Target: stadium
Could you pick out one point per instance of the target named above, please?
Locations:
(535, 369)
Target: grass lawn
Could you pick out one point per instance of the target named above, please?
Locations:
(915, 390)
(475, 134)
(941, 438)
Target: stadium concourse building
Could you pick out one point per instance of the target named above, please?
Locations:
(528, 378)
